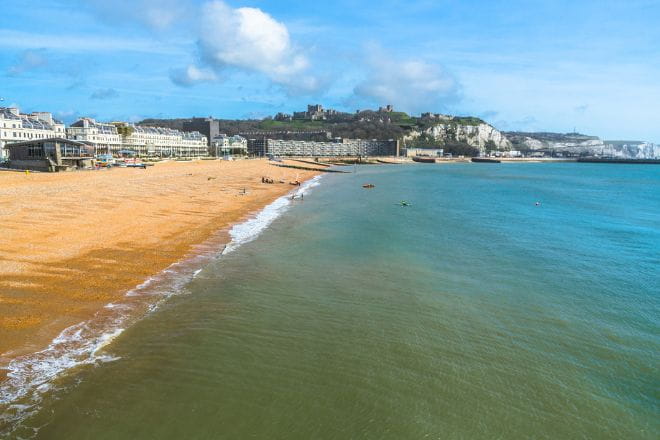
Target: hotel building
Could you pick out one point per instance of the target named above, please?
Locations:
(224, 145)
(164, 142)
(103, 137)
(18, 127)
(113, 138)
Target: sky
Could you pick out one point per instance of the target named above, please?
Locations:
(529, 65)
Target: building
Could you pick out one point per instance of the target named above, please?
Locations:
(387, 109)
(113, 138)
(283, 117)
(257, 146)
(315, 113)
(163, 142)
(224, 145)
(512, 153)
(18, 127)
(104, 137)
(430, 152)
(338, 147)
(52, 154)
(208, 127)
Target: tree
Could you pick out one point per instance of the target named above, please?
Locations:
(490, 146)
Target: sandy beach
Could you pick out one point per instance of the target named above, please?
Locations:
(72, 242)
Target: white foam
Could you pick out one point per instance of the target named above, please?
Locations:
(249, 230)
(29, 377)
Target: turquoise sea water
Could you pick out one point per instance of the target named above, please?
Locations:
(472, 314)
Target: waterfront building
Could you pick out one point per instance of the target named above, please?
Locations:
(163, 142)
(116, 137)
(51, 154)
(224, 145)
(338, 147)
(426, 152)
(208, 127)
(104, 137)
(257, 146)
(18, 127)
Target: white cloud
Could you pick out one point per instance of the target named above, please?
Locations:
(104, 94)
(191, 75)
(413, 85)
(29, 60)
(252, 40)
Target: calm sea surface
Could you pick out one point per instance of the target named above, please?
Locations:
(472, 314)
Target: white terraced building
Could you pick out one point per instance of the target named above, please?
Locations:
(145, 141)
(18, 127)
(103, 137)
(223, 145)
(165, 142)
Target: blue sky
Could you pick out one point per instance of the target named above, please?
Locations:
(521, 65)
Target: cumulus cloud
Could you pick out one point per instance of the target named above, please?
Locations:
(192, 75)
(104, 94)
(28, 60)
(248, 38)
(410, 84)
(251, 40)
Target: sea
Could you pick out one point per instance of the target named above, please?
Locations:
(501, 301)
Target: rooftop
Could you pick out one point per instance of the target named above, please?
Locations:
(28, 121)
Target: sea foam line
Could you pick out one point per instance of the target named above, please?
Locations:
(30, 377)
(250, 229)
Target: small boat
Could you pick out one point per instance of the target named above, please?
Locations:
(485, 160)
(368, 185)
(404, 203)
(423, 159)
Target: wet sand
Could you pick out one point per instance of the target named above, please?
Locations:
(72, 242)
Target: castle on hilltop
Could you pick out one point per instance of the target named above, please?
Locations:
(316, 112)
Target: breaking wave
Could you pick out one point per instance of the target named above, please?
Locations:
(31, 377)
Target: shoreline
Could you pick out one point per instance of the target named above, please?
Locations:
(32, 375)
(54, 289)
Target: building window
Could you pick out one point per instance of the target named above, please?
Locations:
(35, 151)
